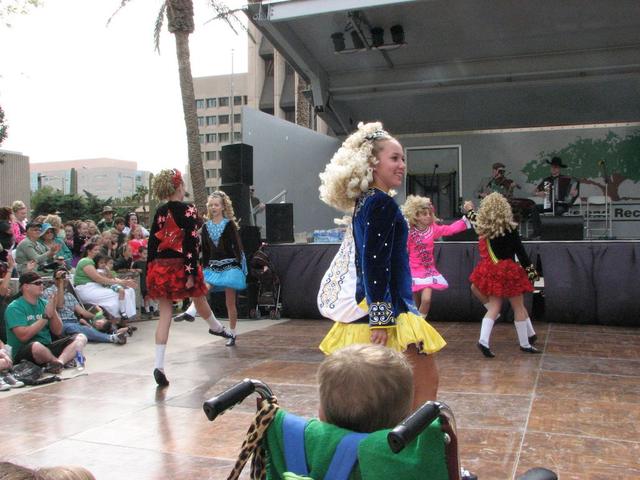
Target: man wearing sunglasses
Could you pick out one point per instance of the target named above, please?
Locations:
(31, 321)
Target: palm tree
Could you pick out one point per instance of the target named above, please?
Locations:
(141, 196)
(180, 22)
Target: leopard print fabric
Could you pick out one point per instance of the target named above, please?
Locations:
(252, 444)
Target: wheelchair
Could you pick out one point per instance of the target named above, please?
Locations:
(285, 446)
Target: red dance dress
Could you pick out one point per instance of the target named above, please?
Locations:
(497, 274)
(174, 249)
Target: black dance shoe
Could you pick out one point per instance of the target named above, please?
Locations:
(184, 316)
(533, 339)
(224, 333)
(486, 351)
(160, 377)
(231, 342)
(530, 349)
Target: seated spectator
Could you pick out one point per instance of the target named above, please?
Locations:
(365, 387)
(136, 240)
(81, 239)
(90, 283)
(124, 259)
(20, 220)
(49, 237)
(7, 380)
(6, 240)
(92, 228)
(31, 249)
(118, 232)
(106, 222)
(140, 266)
(130, 220)
(68, 235)
(107, 245)
(6, 267)
(76, 319)
(31, 321)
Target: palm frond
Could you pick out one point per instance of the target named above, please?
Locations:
(158, 27)
(123, 3)
(230, 16)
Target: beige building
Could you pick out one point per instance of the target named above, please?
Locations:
(103, 177)
(14, 178)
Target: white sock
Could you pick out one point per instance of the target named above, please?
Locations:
(521, 329)
(122, 305)
(113, 338)
(160, 349)
(485, 331)
(530, 330)
(233, 330)
(214, 324)
(192, 310)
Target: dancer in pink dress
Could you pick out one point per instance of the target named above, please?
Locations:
(423, 231)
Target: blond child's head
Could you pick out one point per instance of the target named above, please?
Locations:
(365, 387)
(495, 217)
(419, 211)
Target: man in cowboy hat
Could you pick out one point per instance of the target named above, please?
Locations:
(107, 222)
(561, 190)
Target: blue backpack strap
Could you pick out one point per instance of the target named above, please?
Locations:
(293, 439)
(345, 457)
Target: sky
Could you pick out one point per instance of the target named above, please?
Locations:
(73, 88)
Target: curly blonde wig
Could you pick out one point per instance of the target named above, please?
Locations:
(227, 206)
(413, 205)
(495, 217)
(163, 184)
(350, 171)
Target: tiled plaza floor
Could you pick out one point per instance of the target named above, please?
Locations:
(574, 409)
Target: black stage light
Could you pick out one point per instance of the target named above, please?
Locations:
(377, 36)
(338, 41)
(358, 44)
(397, 34)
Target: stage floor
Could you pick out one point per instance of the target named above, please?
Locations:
(574, 409)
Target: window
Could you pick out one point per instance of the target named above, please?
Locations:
(211, 120)
(223, 137)
(237, 136)
(290, 115)
(223, 101)
(211, 138)
(237, 117)
(245, 100)
(212, 155)
(201, 139)
(201, 121)
(210, 190)
(211, 102)
(237, 100)
(211, 173)
(200, 103)
(268, 67)
(223, 119)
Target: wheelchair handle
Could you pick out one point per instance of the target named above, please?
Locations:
(217, 405)
(412, 426)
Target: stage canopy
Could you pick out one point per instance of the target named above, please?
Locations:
(462, 64)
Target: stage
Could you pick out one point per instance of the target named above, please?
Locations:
(585, 282)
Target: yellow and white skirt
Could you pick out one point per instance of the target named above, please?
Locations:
(410, 329)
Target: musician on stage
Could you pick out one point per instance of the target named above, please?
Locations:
(559, 191)
(497, 183)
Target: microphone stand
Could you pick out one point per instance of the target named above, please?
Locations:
(433, 176)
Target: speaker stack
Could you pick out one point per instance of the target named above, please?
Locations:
(562, 228)
(279, 218)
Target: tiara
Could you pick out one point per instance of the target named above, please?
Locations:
(376, 135)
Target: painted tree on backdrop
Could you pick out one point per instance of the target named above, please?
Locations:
(588, 158)
(180, 22)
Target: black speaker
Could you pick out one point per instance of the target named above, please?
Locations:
(237, 164)
(250, 237)
(279, 218)
(562, 228)
(241, 197)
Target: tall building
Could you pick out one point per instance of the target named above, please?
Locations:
(219, 100)
(103, 177)
(14, 178)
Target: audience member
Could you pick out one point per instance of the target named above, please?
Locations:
(7, 380)
(31, 321)
(106, 222)
(140, 266)
(49, 238)
(68, 236)
(130, 220)
(6, 240)
(92, 228)
(20, 221)
(365, 387)
(107, 244)
(136, 240)
(76, 319)
(124, 259)
(31, 249)
(118, 231)
(81, 239)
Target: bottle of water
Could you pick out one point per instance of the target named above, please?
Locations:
(79, 360)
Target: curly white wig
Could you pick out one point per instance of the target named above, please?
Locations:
(350, 171)
(413, 205)
(495, 217)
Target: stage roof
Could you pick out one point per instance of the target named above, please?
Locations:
(467, 64)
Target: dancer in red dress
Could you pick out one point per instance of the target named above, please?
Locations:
(498, 276)
(173, 269)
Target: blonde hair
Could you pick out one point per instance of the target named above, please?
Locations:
(413, 205)
(63, 473)
(163, 186)
(227, 206)
(18, 205)
(365, 387)
(350, 171)
(54, 220)
(495, 217)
